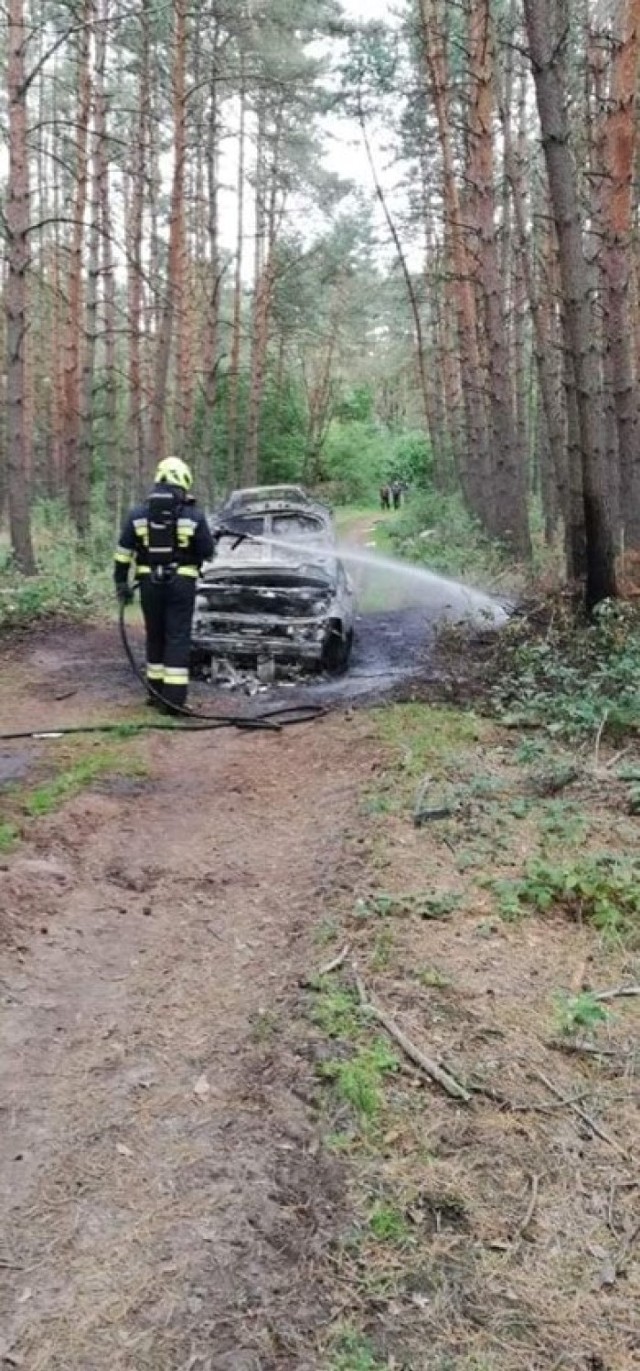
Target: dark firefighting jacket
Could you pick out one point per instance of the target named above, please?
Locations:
(194, 543)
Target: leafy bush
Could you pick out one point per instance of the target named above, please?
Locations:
(581, 1011)
(438, 531)
(411, 457)
(604, 890)
(69, 583)
(355, 459)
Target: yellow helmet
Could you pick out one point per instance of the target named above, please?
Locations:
(173, 471)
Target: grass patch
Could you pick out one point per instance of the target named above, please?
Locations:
(9, 836)
(336, 1011)
(405, 905)
(80, 764)
(388, 1224)
(52, 794)
(358, 1081)
(353, 1352)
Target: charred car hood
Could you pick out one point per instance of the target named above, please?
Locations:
(268, 575)
(270, 590)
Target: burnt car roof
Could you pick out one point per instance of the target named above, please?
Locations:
(251, 495)
(259, 499)
(263, 508)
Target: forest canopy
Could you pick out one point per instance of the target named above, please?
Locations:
(289, 243)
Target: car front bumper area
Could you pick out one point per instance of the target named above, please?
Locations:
(254, 637)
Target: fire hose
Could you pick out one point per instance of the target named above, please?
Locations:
(187, 720)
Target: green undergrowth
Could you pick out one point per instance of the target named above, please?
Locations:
(70, 583)
(353, 1352)
(449, 926)
(572, 680)
(9, 836)
(436, 531)
(602, 889)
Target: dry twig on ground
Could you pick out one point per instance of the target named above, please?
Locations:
(426, 1064)
(586, 1118)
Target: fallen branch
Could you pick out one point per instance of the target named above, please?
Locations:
(620, 992)
(582, 1049)
(531, 1208)
(625, 1250)
(336, 962)
(603, 724)
(426, 1064)
(586, 1118)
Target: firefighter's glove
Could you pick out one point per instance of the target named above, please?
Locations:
(124, 593)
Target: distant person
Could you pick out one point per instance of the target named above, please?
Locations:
(385, 497)
(396, 494)
(166, 538)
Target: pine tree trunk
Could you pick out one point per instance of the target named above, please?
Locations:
(112, 457)
(215, 279)
(135, 286)
(58, 326)
(77, 474)
(87, 401)
(236, 333)
(509, 492)
(545, 46)
(259, 344)
(478, 482)
(451, 377)
(174, 302)
(619, 146)
(542, 335)
(17, 224)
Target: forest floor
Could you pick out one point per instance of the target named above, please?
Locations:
(212, 1156)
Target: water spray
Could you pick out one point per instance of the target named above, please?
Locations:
(430, 586)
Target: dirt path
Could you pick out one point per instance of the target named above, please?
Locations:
(162, 1192)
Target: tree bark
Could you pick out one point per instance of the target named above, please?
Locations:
(98, 165)
(542, 333)
(619, 147)
(77, 474)
(212, 320)
(508, 477)
(545, 43)
(236, 332)
(112, 448)
(478, 482)
(135, 278)
(174, 298)
(17, 224)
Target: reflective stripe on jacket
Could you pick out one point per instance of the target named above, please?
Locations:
(195, 544)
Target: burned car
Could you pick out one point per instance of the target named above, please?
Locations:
(277, 594)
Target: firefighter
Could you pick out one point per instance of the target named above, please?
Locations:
(167, 539)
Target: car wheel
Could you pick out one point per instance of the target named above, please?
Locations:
(337, 649)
